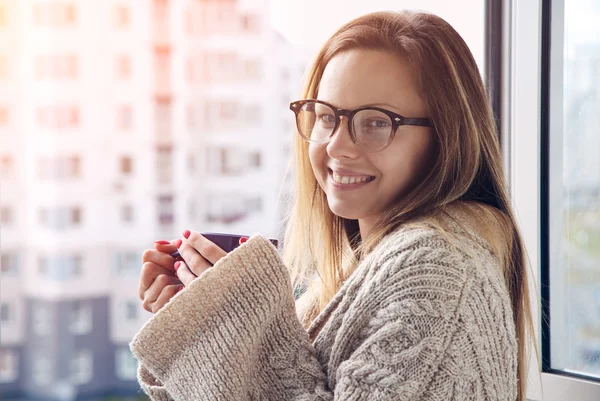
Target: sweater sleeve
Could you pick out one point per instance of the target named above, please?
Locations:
(233, 334)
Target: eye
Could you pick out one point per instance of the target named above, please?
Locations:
(377, 123)
(327, 119)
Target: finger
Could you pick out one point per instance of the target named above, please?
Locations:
(184, 274)
(165, 296)
(153, 292)
(195, 262)
(208, 249)
(160, 258)
(150, 271)
(166, 246)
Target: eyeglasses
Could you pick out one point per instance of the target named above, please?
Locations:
(371, 128)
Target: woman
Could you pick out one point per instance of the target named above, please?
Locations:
(402, 218)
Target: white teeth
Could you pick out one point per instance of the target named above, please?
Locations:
(348, 180)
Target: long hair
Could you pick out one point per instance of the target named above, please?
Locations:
(468, 166)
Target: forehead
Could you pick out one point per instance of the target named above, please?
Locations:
(370, 77)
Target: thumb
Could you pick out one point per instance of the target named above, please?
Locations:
(165, 246)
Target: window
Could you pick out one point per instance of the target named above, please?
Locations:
(229, 208)
(123, 67)
(124, 118)
(54, 14)
(3, 67)
(9, 264)
(230, 160)
(42, 318)
(573, 163)
(164, 164)
(126, 165)
(6, 216)
(60, 218)
(127, 263)
(131, 311)
(57, 117)
(162, 116)
(56, 66)
(250, 23)
(81, 318)
(126, 364)
(60, 267)
(165, 210)
(122, 17)
(42, 370)
(6, 167)
(59, 167)
(127, 213)
(6, 316)
(81, 367)
(9, 365)
(4, 115)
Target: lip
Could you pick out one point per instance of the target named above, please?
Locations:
(348, 173)
(347, 186)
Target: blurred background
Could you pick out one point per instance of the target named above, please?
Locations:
(127, 121)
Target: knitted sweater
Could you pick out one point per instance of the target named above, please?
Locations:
(417, 320)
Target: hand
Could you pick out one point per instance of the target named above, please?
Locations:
(158, 280)
(198, 254)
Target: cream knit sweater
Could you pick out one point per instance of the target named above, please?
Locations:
(417, 320)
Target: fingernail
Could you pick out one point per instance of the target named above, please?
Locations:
(180, 288)
(186, 234)
(243, 239)
(176, 265)
(162, 242)
(177, 242)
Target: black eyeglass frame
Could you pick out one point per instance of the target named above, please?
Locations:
(397, 120)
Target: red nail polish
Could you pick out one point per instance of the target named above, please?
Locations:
(180, 288)
(162, 242)
(176, 265)
(177, 242)
(243, 239)
(186, 234)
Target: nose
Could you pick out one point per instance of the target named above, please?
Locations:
(341, 144)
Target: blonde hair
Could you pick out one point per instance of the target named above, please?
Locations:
(468, 166)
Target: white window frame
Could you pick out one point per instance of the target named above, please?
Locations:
(523, 101)
(82, 366)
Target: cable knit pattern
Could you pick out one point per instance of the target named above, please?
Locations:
(419, 319)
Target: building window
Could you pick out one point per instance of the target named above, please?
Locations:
(41, 319)
(165, 209)
(123, 67)
(127, 264)
(122, 17)
(60, 267)
(3, 67)
(81, 367)
(126, 364)
(54, 14)
(4, 115)
(81, 318)
(230, 161)
(6, 216)
(42, 370)
(250, 23)
(6, 167)
(57, 117)
(126, 165)
(126, 213)
(59, 168)
(56, 66)
(9, 264)
(164, 164)
(162, 116)
(225, 208)
(9, 365)
(131, 311)
(60, 218)
(254, 114)
(124, 118)
(5, 314)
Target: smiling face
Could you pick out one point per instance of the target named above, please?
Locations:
(355, 79)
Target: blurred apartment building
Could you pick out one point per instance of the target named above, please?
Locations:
(123, 122)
